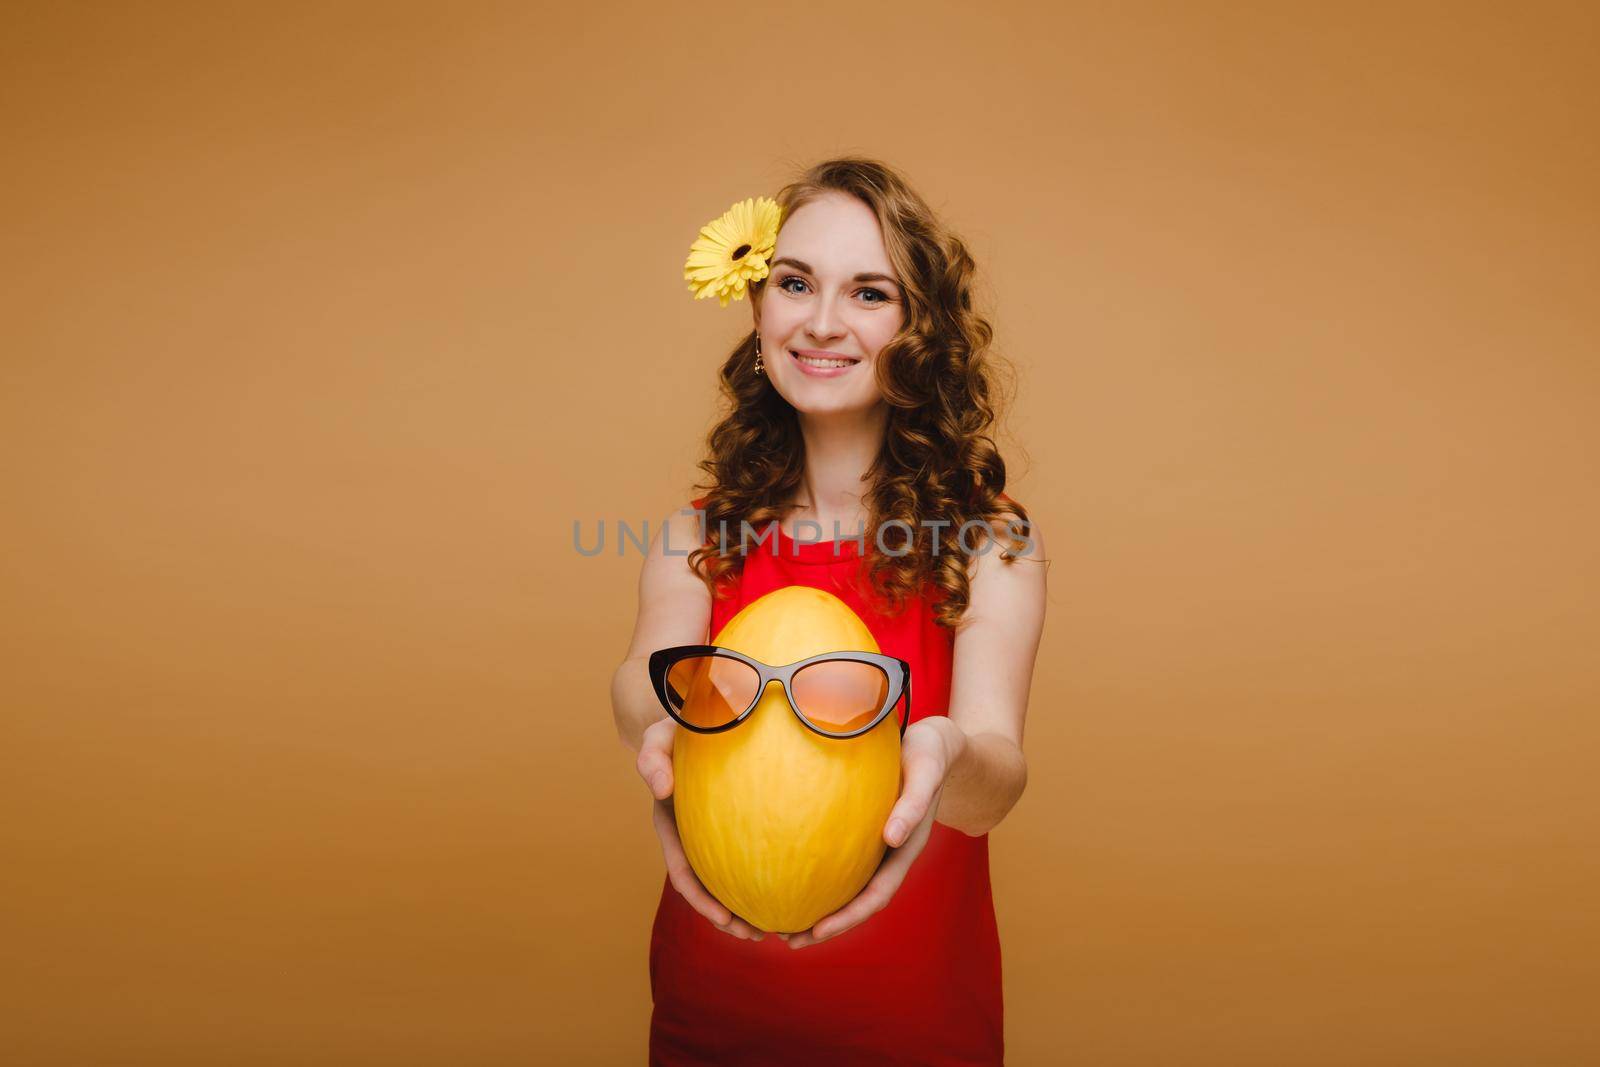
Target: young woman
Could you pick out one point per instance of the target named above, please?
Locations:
(862, 396)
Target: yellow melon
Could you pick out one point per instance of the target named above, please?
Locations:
(782, 824)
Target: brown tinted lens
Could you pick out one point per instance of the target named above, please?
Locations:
(840, 696)
(710, 691)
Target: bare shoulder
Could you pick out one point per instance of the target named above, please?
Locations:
(677, 535)
(1009, 572)
(1013, 530)
(674, 602)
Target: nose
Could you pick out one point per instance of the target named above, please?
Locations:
(825, 321)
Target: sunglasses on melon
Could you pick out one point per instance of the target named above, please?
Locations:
(709, 689)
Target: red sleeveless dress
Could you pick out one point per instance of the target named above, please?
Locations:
(917, 983)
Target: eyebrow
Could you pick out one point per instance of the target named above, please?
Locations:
(865, 276)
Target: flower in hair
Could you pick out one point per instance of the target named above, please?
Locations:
(732, 251)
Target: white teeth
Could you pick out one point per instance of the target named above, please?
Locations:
(809, 361)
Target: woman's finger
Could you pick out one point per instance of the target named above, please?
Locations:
(655, 758)
(924, 776)
(679, 873)
(882, 887)
(688, 884)
(874, 896)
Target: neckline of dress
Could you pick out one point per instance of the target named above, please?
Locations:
(813, 551)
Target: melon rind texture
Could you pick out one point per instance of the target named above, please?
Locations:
(783, 825)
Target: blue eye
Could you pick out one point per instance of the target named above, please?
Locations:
(878, 293)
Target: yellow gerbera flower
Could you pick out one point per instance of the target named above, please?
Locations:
(732, 251)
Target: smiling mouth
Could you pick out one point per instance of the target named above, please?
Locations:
(813, 361)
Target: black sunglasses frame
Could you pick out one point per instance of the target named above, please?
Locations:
(897, 671)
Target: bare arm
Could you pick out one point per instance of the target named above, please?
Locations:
(991, 674)
(674, 609)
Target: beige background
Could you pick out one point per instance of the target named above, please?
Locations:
(323, 323)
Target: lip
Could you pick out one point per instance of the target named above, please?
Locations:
(817, 353)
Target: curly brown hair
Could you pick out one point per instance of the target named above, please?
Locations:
(937, 462)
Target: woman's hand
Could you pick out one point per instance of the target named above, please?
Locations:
(655, 767)
(930, 748)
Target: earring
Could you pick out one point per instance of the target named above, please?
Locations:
(758, 356)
